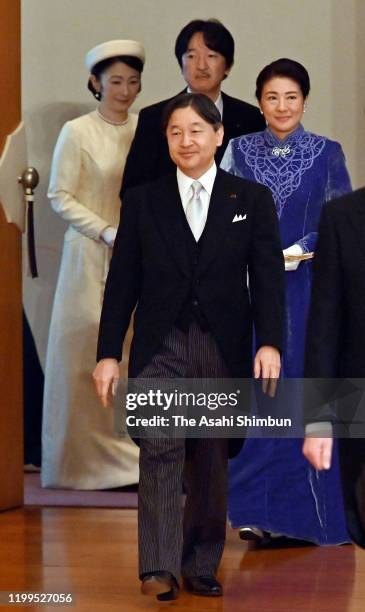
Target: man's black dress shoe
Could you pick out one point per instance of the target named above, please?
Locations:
(162, 584)
(208, 586)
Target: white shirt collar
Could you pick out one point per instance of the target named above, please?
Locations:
(184, 182)
(218, 102)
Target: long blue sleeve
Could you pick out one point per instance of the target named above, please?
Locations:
(338, 184)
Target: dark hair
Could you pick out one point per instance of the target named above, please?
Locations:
(216, 37)
(283, 67)
(100, 67)
(202, 105)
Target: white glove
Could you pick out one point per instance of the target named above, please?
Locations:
(294, 249)
(108, 235)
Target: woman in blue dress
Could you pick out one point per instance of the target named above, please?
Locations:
(272, 489)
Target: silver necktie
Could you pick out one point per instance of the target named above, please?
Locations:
(195, 211)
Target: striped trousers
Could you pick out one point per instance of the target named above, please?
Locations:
(189, 540)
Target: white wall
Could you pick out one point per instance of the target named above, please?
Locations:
(325, 35)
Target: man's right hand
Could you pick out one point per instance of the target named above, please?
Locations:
(106, 376)
(318, 451)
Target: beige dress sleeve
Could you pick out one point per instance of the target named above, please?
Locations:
(64, 185)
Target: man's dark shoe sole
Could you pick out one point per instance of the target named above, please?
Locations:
(162, 588)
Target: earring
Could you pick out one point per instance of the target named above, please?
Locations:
(261, 112)
(304, 108)
(97, 95)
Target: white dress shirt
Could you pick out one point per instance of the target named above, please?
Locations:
(185, 182)
(219, 104)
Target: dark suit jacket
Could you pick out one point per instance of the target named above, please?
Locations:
(150, 266)
(336, 326)
(149, 157)
(336, 338)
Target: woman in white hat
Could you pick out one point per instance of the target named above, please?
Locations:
(81, 449)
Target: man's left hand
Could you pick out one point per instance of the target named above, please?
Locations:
(267, 366)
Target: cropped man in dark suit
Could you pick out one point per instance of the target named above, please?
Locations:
(182, 251)
(205, 52)
(336, 351)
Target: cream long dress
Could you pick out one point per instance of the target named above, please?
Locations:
(80, 446)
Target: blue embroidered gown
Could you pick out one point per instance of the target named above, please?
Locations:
(271, 484)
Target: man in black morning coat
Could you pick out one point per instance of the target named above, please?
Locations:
(335, 352)
(183, 248)
(205, 52)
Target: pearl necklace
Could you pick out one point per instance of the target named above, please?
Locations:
(110, 120)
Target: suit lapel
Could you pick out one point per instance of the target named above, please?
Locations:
(219, 217)
(231, 121)
(169, 217)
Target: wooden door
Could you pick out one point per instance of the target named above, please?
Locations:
(11, 381)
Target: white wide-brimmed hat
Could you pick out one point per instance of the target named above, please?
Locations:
(114, 48)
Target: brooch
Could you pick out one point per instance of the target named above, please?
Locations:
(281, 151)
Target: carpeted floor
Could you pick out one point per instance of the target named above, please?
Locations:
(34, 495)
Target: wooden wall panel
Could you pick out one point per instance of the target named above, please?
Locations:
(11, 383)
